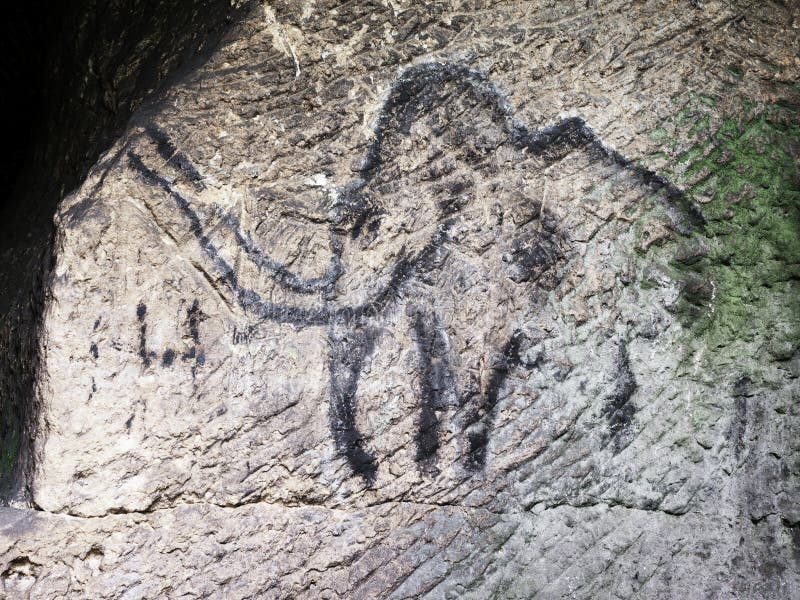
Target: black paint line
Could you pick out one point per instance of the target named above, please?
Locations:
(94, 351)
(480, 420)
(171, 155)
(417, 88)
(275, 269)
(742, 390)
(144, 354)
(348, 348)
(619, 409)
(248, 299)
(193, 315)
(436, 381)
(251, 301)
(192, 323)
(407, 97)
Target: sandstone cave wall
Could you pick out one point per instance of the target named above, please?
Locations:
(438, 300)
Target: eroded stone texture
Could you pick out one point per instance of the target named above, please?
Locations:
(383, 302)
(390, 551)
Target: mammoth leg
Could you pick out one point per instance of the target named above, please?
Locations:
(480, 419)
(349, 345)
(436, 380)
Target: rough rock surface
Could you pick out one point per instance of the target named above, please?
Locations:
(445, 300)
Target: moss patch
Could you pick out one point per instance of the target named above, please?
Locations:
(741, 274)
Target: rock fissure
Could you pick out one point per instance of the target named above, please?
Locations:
(534, 511)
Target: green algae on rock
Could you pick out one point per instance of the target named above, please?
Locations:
(741, 273)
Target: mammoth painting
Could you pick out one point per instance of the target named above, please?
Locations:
(438, 214)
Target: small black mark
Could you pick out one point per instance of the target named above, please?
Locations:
(743, 387)
(242, 337)
(359, 224)
(96, 324)
(93, 350)
(168, 358)
(619, 409)
(742, 390)
(146, 356)
(193, 317)
(193, 313)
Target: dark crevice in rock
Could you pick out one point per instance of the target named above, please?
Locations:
(532, 511)
(613, 504)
